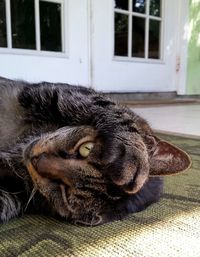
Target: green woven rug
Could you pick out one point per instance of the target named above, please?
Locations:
(168, 228)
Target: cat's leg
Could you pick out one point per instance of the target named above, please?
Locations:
(10, 206)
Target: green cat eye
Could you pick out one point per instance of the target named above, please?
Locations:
(85, 149)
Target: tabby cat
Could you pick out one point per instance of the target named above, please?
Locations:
(71, 152)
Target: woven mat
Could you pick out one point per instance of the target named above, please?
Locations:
(168, 228)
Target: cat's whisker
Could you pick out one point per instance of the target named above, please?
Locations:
(63, 192)
(12, 193)
(64, 197)
(30, 197)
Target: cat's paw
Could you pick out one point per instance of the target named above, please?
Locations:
(126, 158)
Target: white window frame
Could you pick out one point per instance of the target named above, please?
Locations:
(147, 18)
(38, 51)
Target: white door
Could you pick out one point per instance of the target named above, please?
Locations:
(44, 40)
(134, 44)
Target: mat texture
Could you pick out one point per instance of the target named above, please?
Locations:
(168, 228)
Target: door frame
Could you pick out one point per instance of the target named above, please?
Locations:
(182, 47)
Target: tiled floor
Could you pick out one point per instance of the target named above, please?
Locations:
(176, 119)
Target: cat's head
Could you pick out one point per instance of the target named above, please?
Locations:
(78, 170)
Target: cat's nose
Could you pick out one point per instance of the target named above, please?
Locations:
(52, 167)
(36, 160)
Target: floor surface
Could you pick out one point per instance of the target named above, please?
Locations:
(180, 119)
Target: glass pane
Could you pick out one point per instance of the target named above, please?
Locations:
(154, 39)
(155, 7)
(50, 26)
(139, 6)
(3, 39)
(121, 34)
(23, 24)
(138, 37)
(121, 4)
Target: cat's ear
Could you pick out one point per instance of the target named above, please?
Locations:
(167, 159)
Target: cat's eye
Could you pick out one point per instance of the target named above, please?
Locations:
(85, 149)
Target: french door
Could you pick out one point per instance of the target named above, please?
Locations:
(44, 40)
(111, 45)
(134, 45)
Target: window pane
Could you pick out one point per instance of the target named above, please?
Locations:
(121, 4)
(23, 24)
(3, 39)
(155, 7)
(121, 34)
(138, 37)
(139, 6)
(50, 26)
(154, 39)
